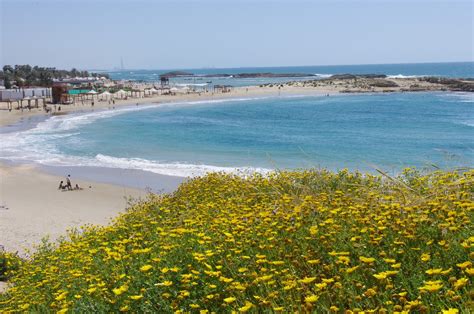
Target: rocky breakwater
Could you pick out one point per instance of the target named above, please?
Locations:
(460, 85)
(370, 83)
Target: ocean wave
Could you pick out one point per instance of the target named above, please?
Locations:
(172, 169)
(178, 169)
(405, 76)
(42, 150)
(323, 75)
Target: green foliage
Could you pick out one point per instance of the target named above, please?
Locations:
(9, 263)
(26, 75)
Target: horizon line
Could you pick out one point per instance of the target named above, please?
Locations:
(278, 66)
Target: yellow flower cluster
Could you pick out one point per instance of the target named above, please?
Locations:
(309, 241)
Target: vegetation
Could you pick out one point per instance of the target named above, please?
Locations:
(26, 75)
(311, 241)
(9, 263)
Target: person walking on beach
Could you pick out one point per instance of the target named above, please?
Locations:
(68, 182)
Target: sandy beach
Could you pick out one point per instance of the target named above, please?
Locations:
(32, 207)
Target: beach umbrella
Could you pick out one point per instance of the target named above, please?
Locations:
(120, 93)
(105, 95)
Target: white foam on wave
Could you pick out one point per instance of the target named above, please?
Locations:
(172, 169)
(323, 75)
(178, 169)
(404, 76)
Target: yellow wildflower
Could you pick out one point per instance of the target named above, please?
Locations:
(248, 305)
(367, 260)
(431, 286)
(425, 257)
(120, 290)
(450, 311)
(307, 280)
(311, 299)
(434, 271)
(464, 265)
(145, 268)
(458, 284)
(229, 300)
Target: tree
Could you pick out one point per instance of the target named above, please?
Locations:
(26, 75)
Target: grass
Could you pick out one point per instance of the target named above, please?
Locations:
(312, 241)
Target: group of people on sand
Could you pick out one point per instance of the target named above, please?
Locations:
(68, 185)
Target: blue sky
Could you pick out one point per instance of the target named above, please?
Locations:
(193, 34)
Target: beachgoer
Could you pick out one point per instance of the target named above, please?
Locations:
(68, 182)
(77, 187)
(61, 186)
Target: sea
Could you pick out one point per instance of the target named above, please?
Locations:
(366, 132)
(453, 69)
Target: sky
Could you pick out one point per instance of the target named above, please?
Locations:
(195, 34)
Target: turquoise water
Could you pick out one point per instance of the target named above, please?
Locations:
(453, 69)
(386, 131)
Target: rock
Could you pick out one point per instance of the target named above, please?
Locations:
(176, 73)
(346, 76)
(372, 75)
(458, 85)
(382, 83)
